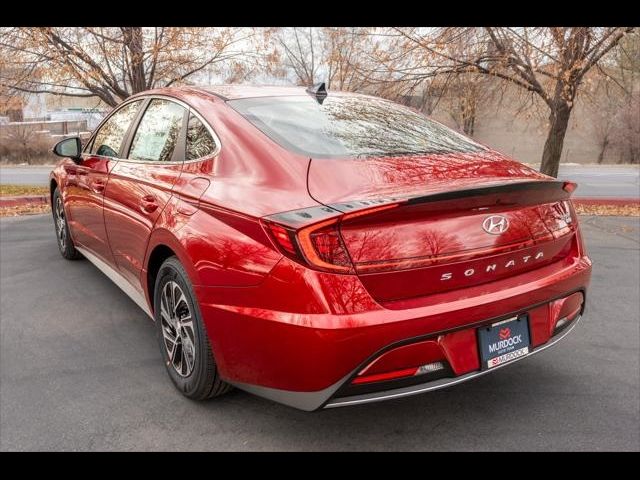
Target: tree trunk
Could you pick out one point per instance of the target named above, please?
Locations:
(134, 43)
(603, 148)
(559, 121)
(469, 124)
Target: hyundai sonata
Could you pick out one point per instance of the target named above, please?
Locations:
(319, 248)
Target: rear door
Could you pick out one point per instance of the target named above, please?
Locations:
(141, 184)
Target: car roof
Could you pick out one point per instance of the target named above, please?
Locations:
(234, 92)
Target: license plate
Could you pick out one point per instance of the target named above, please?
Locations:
(504, 341)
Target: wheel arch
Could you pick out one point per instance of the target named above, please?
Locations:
(156, 258)
(53, 184)
(162, 245)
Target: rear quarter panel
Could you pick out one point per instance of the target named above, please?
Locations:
(216, 246)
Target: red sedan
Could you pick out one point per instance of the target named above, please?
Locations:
(319, 248)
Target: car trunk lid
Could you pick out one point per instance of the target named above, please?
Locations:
(443, 227)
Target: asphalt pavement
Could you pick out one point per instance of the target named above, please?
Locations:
(593, 180)
(80, 369)
(35, 175)
(603, 180)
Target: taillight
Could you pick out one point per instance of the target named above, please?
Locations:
(322, 246)
(283, 237)
(318, 244)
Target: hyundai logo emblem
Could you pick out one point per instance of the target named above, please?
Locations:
(495, 224)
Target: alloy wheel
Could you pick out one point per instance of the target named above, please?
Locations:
(177, 328)
(61, 227)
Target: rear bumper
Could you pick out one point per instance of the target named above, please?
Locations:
(303, 358)
(441, 383)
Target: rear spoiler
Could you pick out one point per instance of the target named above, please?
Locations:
(557, 190)
(509, 193)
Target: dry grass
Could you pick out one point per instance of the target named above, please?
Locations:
(17, 190)
(24, 210)
(606, 210)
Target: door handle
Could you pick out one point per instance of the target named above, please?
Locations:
(148, 203)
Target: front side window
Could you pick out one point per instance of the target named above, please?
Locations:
(109, 138)
(158, 132)
(350, 126)
(200, 143)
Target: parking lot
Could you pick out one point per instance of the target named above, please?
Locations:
(80, 370)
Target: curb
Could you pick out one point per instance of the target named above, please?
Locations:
(24, 200)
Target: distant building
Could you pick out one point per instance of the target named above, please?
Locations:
(93, 116)
(46, 107)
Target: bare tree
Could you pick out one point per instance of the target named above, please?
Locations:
(463, 96)
(333, 55)
(11, 105)
(347, 49)
(613, 94)
(625, 68)
(463, 93)
(303, 50)
(626, 135)
(550, 62)
(112, 63)
(603, 126)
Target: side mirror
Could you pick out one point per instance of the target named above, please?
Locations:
(69, 147)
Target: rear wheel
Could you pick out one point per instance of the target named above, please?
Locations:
(65, 244)
(184, 344)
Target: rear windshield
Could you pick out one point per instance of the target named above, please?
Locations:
(350, 126)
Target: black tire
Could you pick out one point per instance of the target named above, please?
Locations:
(195, 377)
(63, 237)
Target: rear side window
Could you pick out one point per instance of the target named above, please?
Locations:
(110, 136)
(200, 143)
(350, 126)
(158, 132)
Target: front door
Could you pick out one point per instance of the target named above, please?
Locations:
(141, 184)
(87, 181)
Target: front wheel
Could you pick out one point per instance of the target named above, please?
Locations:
(65, 244)
(182, 337)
